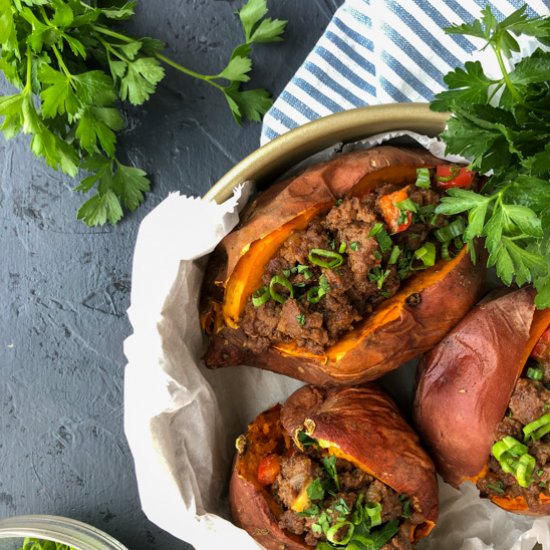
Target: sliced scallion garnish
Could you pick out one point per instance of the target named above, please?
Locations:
(342, 248)
(426, 254)
(449, 232)
(285, 283)
(260, 297)
(335, 530)
(374, 512)
(325, 258)
(524, 472)
(537, 429)
(423, 178)
(534, 373)
(394, 256)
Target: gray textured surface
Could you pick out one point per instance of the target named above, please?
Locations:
(65, 288)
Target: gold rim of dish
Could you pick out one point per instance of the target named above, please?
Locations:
(287, 150)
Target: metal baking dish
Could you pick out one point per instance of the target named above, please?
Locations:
(274, 158)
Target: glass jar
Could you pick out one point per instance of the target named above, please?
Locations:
(76, 534)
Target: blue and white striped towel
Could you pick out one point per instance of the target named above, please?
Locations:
(381, 51)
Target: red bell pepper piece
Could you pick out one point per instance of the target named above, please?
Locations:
(451, 175)
(392, 213)
(269, 469)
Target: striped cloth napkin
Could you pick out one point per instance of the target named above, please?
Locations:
(381, 51)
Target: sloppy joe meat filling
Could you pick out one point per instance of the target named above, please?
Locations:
(331, 503)
(334, 273)
(519, 465)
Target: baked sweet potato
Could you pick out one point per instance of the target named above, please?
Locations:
(329, 457)
(399, 328)
(476, 388)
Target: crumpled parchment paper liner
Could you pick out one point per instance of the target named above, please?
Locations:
(181, 419)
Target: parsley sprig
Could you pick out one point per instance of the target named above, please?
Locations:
(73, 68)
(502, 124)
(39, 544)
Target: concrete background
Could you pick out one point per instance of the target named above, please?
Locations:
(64, 288)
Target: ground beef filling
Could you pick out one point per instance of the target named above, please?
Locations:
(324, 499)
(327, 302)
(530, 401)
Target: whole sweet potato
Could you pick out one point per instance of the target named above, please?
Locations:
(465, 386)
(400, 328)
(361, 426)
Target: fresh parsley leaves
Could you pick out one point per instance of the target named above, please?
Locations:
(72, 68)
(39, 544)
(502, 125)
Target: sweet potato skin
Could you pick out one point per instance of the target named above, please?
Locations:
(364, 426)
(402, 328)
(466, 382)
(364, 423)
(251, 512)
(281, 202)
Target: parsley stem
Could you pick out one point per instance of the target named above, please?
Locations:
(187, 71)
(504, 71)
(112, 34)
(28, 83)
(161, 57)
(62, 65)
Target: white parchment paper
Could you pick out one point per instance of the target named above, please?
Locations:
(181, 419)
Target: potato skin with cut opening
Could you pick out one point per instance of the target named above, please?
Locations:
(401, 328)
(466, 382)
(361, 424)
(281, 202)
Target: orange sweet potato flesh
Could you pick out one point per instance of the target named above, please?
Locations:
(360, 424)
(400, 329)
(466, 383)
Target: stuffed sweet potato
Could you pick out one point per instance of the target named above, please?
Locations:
(482, 403)
(333, 467)
(341, 273)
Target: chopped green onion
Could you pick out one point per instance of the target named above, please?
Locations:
(355, 246)
(260, 297)
(540, 472)
(357, 515)
(376, 228)
(496, 487)
(423, 178)
(395, 253)
(335, 529)
(408, 205)
(524, 472)
(314, 294)
(374, 511)
(534, 374)
(508, 445)
(445, 250)
(284, 282)
(301, 318)
(382, 237)
(426, 254)
(537, 429)
(342, 248)
(339, 202)
(316, 256)
(449, 232)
